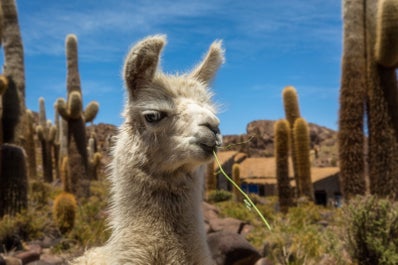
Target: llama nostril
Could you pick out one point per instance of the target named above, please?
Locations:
(216, 132)
(212, 128)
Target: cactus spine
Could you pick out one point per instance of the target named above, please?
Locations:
(351, 138)
(72, 112)
(292, 112)
(302, 146)
(282, 134)
(236, 178)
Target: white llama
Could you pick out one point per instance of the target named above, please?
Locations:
(169, 134)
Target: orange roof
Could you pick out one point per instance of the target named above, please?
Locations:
(262, 170)
(319, 173)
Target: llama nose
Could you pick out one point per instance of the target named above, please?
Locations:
(216, 130)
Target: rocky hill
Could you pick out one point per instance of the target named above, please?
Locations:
(259, 142)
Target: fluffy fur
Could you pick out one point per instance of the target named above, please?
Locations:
(169, 133)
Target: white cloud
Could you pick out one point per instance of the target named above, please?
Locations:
(105, 24)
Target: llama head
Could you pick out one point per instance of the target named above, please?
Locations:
(172, 115)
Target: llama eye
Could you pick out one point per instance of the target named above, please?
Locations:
(152, 116)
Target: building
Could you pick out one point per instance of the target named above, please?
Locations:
(258, 175)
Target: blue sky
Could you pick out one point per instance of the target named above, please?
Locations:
(269, 45)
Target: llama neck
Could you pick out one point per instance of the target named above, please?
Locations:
(163, 211)
(158, 197)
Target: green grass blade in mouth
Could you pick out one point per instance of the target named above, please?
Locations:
(248, 202)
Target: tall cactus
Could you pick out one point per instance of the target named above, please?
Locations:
(351, 138)
(72, 112)
(14, 115)
(383, 104)
(63, 139)
(211, 181)
(292, 112)
(282, 146)
(13, 173)
(14, 180)
(63, 170)
(46, 134)
(94, 159)
(386, 48)
(236, 178)
(3, 87)
(302, 146)
(56, 143)
(31, 146)
(369, 79)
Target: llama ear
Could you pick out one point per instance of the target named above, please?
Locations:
(206, 70)
(142, 61)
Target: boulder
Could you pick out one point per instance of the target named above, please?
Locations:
(228, 248)
(264, 261)
(12, 261)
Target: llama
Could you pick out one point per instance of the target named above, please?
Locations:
(168, 136)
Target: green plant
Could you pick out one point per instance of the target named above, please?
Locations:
(300, 238)
(302, 147)
(282, 142)
(27, 225)
(247, 200)
(39, 193)
(64, 211)
(372, 230)
(218, 196)
(91, 227)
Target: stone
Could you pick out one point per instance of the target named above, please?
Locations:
(12, 261)
(229, 248)
(264, 261)
(27, 256)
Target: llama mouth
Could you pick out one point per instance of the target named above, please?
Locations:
(207, 148)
